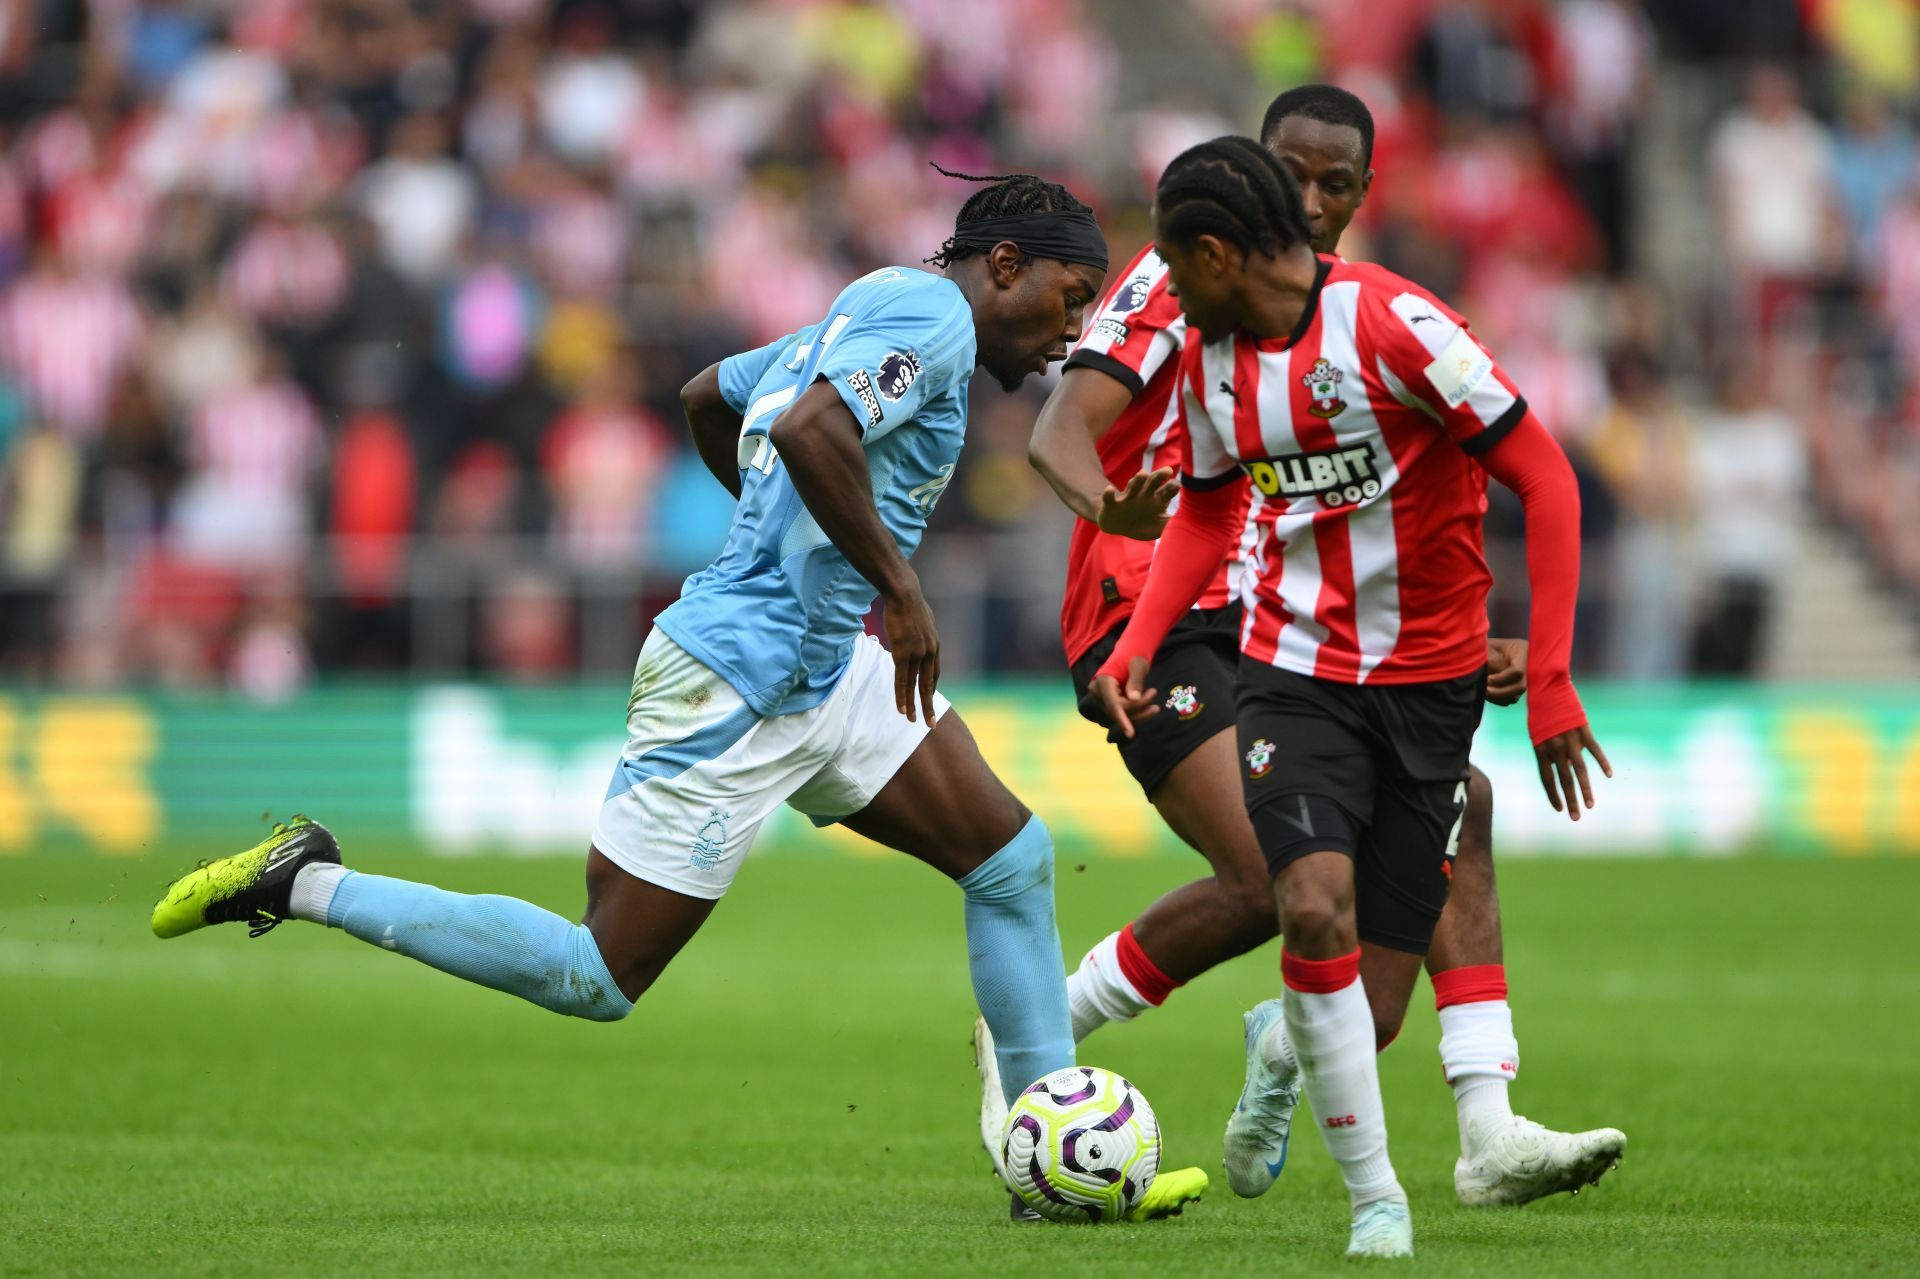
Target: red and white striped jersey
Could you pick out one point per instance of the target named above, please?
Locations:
(1358, 432)
(67, 340)
(293, 273)
(1135, 336)
(264, 440)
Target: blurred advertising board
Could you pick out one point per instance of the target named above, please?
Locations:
(460, 769)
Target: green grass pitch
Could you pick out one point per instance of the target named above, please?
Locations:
(797, 1096)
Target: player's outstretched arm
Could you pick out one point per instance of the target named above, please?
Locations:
(1188, 557)
(1529, 462)
(1079, 412)
(818, 442)
(715, 427)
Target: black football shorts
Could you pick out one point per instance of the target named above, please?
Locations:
(1375, 771)
(1194, 674)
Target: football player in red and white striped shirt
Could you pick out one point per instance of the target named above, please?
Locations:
(1108, 441)
(1348, 420)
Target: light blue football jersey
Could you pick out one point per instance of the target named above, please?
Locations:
(777, 614)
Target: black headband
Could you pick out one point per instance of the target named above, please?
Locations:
(1070, 237)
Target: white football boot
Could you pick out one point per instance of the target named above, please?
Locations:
(993, 1104)
(1517, 1161)
(1382, 1229)
(1257, 1131)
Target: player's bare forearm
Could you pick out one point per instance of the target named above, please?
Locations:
(818, 442)
(715, 427)
(1075, 416)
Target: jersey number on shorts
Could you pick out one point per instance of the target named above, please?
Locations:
(1453, 836)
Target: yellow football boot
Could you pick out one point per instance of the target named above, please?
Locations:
(253, 886)
(1169, 1194)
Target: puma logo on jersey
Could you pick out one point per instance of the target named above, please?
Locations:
(1226, 389)
(1337, 477)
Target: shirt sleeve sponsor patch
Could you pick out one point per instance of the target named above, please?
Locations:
(863, 387)
(1115, 331)
(1459, 368)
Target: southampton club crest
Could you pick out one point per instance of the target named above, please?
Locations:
(710, 841)
(1185, 701)
(1259, 758)
(1323, 384)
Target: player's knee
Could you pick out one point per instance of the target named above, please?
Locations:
(1315, 915)
(1023, 867)
(596, 1006)
(1385, 1031)
(582, 985)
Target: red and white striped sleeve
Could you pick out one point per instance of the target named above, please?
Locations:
(1439, 367)
(1137, 328)
(1205, 462)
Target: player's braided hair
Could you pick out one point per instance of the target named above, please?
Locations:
(1327, 103)
(1231, 188)
(1010, 194)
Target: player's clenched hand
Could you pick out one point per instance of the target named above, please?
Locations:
(916, 649)
(1561, 761)
(1506, 671)
(1114, 707)
(1140, 510)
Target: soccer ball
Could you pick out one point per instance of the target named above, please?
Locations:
(1081, 1144)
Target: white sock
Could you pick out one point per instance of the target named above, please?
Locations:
(1332, 1035)
(313, 887)
(1098, 991)
(1480, 1057)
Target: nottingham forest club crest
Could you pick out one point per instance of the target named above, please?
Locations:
(710, 841)
(1323, 384)
(1259, 758)
(1185, 701)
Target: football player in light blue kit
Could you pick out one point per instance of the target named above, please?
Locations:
(758, 686)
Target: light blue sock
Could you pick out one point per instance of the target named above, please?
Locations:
(1013, 949)
(500, 942)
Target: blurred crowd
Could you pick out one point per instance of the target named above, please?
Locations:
(347, 334)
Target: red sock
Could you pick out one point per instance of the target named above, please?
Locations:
(1145, 975)
(1319, 976)
(1476, 984)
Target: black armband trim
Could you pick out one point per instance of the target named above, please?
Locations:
(1113, 368)
(1502, 427)
(1200, 484)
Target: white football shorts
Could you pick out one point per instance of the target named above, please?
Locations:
(701, 770)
